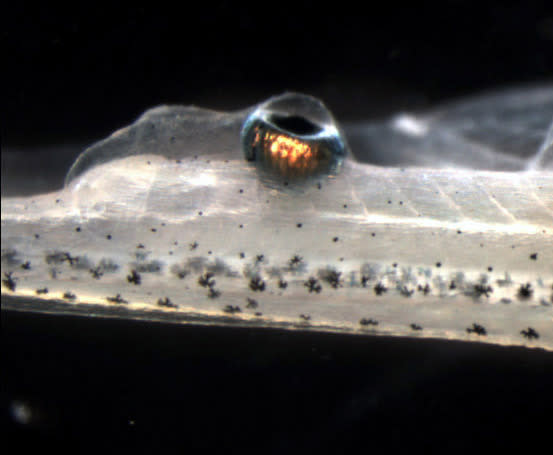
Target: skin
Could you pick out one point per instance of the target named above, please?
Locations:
(164, 222)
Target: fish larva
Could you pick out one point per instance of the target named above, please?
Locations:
(437, 225)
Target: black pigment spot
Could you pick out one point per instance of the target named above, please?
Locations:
(108, 236)
(42, 291)
(9, 281)
(370, 321)
(332, 277)
(117, 299)
(153, 230)
(482, 289)
(259, 258)
(530, 333)
(405, 291)
(534, 256)
(415, 326)
(96, 272)
(295, 262)
(241, 191)
(305, 317)
(180, 272)
(312, 284)
(69, 296)
(490, 269)
(134, 277)
(335, 239)
(299, 225)
(525, 291)
(193, 245)
(37, 236)
(166, 302)
(200, 213)
(477, 329)
(424, 289)
(213, 293)
(206, 280)
(380, 289)
(77, 229)
(251, 303)
(26, 265)
(438, 264)
(257, 284)
(282, 284)
(232, 309)
(242, 255)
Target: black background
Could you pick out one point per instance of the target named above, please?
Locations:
(86, 69)
(75, 73)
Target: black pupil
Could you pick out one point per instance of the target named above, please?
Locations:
(295, 124)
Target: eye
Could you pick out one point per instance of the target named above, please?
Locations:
(293, 136)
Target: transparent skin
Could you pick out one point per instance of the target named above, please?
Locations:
(167, 219)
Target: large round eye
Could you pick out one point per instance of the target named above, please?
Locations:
(293, 136)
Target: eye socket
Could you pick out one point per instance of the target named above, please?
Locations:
(293, 136)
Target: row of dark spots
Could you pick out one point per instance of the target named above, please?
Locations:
(312, 284)
(373, 322)
(525, 291)
(477, 329)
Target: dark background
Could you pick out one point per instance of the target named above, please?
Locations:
(86, 69)
(75, 73)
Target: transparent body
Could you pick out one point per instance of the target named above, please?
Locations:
(167, 219)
